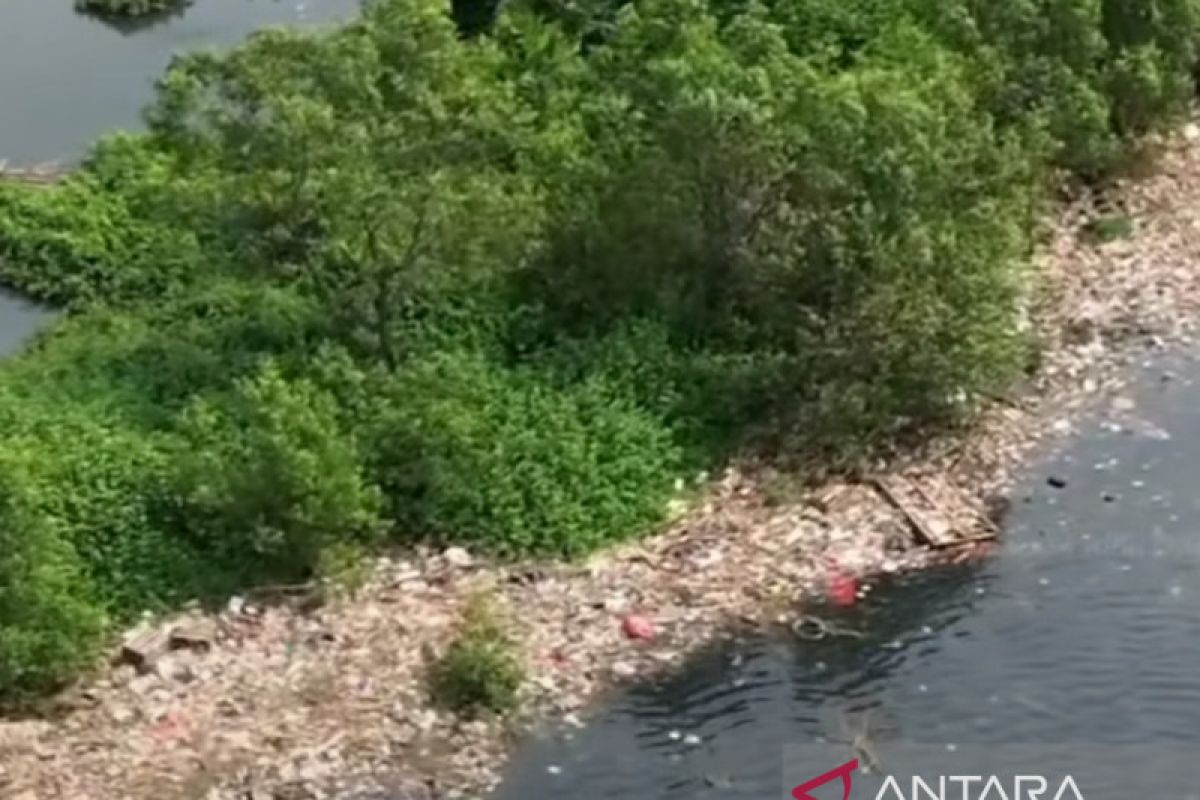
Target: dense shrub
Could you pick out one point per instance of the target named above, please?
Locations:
(267, 476)
(101, 483)
(707, 397)
(471, 452)
(1153, 45)
(1096, 72)
(769, 208)
(480, 670)
(127, 8)
(77, 244)
(104, 487)
(49, 625)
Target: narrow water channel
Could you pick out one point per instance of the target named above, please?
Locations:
(19, 320)
(66, 79)
(1083, 631)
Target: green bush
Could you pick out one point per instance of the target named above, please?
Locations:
(127, 8)
(818, 224)
(1153, 46)
(102, 484)
(471, 452)
(76, 244)
(267, 477)
(706, 396)
(105, 487)
(49, 625)
(480, 671)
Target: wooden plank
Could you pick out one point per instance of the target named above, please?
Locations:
(982, 520)
(198, 635)
(143, 648)
(916, 521)
(906, 495)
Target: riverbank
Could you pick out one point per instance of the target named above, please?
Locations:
(294, 704)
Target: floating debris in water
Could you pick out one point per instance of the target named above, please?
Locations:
(718, 782)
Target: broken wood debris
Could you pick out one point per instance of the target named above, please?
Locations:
(144, 647)
(932, 522)
(196, 636)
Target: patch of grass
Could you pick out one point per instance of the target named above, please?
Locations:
(481, 671)
(344, 566)
(1109, 228)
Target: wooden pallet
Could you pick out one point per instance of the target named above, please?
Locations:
(940, 516)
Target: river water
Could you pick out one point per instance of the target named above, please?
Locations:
(1082, 634)
(19, 320)
(66, 79)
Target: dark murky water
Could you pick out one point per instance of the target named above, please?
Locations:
(1085, 630)
(66, 79)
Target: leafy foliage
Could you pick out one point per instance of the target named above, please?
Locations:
(480, 671)
(48, 624)
(77, 244)
(469, 452)
(267, 475)
(127, 8)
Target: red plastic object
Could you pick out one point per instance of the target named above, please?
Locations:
(636, 626)
(841, 588)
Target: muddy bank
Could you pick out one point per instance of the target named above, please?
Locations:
(292, 703)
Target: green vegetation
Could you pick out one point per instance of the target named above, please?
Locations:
(480, 671)
(1110, 228)
(127, 8)
(393, 282)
